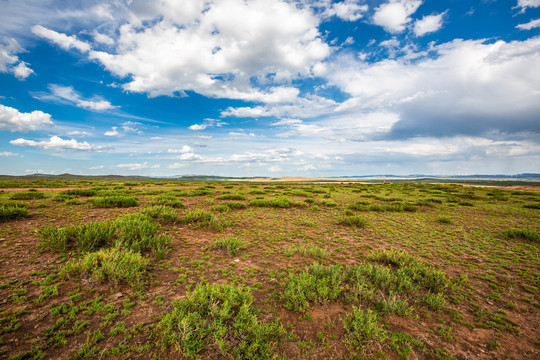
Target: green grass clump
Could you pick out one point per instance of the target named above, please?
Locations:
(164, 214)
(202, 218)
(444, 220)
(115, 265)
(362, 329)
(12, 212)
(231, 245)
(121, 201)
(234, 204)
(435, 301)
(220, 208)
(79, 192)
(316, 284)
(27, 195)
(221, 318)
(167, 200)
(530, 235)
(231, 197)
(280, 202)
(353, 220)
(532, 206)
(313, 251)
(135, 232)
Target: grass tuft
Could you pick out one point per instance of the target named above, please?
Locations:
(221, 318)
(530, 235)
(231, 245)
(121, 201)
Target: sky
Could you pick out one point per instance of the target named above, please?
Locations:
(269, 87)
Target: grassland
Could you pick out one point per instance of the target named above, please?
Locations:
(217, 270)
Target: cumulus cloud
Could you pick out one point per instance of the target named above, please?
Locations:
(8, 153)
(97, 167)
(394, 15)
(207, 123)
(530, 25)
(12, 119)
(136, 166)
(275, 168)
(524, 4)
(58, 144)
(62, 40)
(10, 62)
(348, 10)
(183, 150)
(428, 24)
(68, 95)
(113, 132)
(468, 87)
(214, 48)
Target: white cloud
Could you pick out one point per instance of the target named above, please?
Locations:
(10, 62)
(57, 143)
(157, 138)
(102, 38)
(64, 41)
(428, 24)
(308, 167)
(183, 150)
(133, 167)
(215, 48)
(275, 168)
(524, 4)
(113, 132)
(97, 167)
(8, 153)
(394, 15)
(79, 133)
(207, 123)
(463, 86)
(348, 10)
(530, 25)
(237, 134)
(13, 120)
(189, 156)
(68, 95)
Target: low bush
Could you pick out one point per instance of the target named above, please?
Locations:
(167, 200)
(362, 328)
(280, 202)
(135, 232)
(221, 318)
(524, 234)
(230, 245)
(114, 201)
(80, 192)
(115, 265)
(202, 218)
(27, 195)
(12, 212)
(234, 204)
(353, 220)
(231, 197)
(163, 214)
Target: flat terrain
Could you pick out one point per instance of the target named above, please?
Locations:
(268, 270)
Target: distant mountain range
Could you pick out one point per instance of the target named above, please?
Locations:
(194, 177)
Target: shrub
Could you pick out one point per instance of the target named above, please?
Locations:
(530, 235)
(202, 218)
(435, 301)
(27, 195)
(12, 212)
(444, 220)
(231, 197)
(362, 328)
(216, 317)
(116, 265)
(135, 232)
(164, 214)
(167, 200)
(231, 245)
(114, 201)
(356, 221)
(280, 202)
(234, 204)
(79, 192)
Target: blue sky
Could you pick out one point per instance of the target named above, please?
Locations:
(270, 87)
